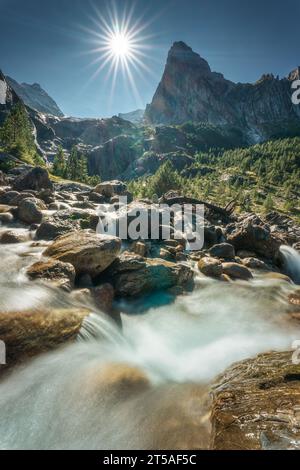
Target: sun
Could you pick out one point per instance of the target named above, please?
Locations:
(122, 48)
(120, 45)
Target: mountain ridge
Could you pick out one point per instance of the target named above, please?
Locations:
(190, 91)
(35, 97)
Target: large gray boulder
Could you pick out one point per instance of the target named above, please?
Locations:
(222, 250)
(111, 188)
(30, 212)
(133, 275)
(251, 233)
(36, 178)
(87, 252)
(66, 221)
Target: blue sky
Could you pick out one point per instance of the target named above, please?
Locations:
(49, 42)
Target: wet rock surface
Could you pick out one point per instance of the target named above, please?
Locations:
(252, 234)
(13, 236)
(57, 273)
(211, 267)
(223, 250)
(133, 275)
(236, 271)
(28, 333)
(257, 404)
(87, 252)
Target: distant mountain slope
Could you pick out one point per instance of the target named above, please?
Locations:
(190, 91)
(136, 117)
(8, 98)
(35, 97)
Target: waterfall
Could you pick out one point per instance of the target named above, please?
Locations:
(291, 263)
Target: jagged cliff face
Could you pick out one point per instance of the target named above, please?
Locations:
(190, 91)
(35, 97)
(8, 98)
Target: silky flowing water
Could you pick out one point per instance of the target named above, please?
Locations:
(146, 386)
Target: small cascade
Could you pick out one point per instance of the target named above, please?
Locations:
(291, 263)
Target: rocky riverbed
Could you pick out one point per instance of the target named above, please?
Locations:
(137, 331)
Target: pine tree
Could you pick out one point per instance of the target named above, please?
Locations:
(59, 163)
(165, 179)
(82, 168)
(71, 172)
(269, 203)
(16, 134)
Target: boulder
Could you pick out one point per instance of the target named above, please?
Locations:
(29, 211)
(222, 250)
(97, 198)
(256, 404)
(211, 267)
(127, 216)
(165, 254)
(23, 195)
(58, 206)
(109, 189)
(211, 235)
(4, 208)
(254, 263)
(83, 205)
(237, 271)
(252, 234)
(103, 297)
(277, 277)
(87, 252)
(13, 236)
(3, 179)
(133, 275)
(6, 197)
(6, 217)
(36, 178)
(66, 221)
(52, 271)
(28, 333)
(246, 254)
(140, 248)
(46, 195)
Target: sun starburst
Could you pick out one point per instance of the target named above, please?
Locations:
(121, 46)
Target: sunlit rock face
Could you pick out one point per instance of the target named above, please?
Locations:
(190, 91)
(256, 404)
(8, 98)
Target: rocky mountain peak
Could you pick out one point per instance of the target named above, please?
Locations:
(295, 74)
(35, 97)
(190, 91)
(181, 53)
